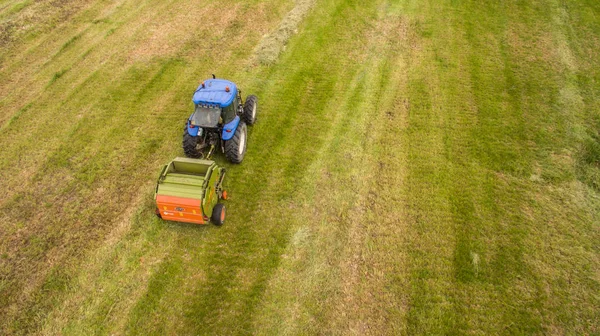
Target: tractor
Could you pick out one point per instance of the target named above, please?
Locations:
(219, 121)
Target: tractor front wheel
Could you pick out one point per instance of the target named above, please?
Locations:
(218, 214)
(190, 145)
(250, 107)
(235, 149)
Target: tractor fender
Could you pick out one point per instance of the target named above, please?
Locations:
(191, 129)
(229, 128)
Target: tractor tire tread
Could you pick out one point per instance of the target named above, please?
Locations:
(251, 102)
(232, 146)
(189, 145)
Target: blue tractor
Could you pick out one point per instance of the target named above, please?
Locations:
(219, 121)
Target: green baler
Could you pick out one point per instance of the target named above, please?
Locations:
(189, 190)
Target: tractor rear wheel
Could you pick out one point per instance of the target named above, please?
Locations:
(250, 107)
(218, 214)
(235, 149)
(190, 145)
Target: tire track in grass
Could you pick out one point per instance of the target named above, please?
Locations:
(280, 310)
(453, 285)
(486, 282)
(103, 307)
(321, 256)
(307, 312)
(371, 298)
(315, 307)
(501, 134)
(506, 129)
(53, 229)
(484, 141)
(562, 211)
(428, 240)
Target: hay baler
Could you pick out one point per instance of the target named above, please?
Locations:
(188, 190)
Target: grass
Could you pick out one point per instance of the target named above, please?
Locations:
(417, 168)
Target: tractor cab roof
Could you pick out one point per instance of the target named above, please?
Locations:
(218, 92)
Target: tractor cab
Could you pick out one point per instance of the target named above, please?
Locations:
(208, 116)
(216, 103)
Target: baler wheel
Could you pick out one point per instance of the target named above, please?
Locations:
(218, 215)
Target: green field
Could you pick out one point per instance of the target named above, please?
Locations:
(418, 167)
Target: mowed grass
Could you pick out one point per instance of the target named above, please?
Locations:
(417, 168)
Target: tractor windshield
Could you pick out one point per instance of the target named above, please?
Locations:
(206, 116)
